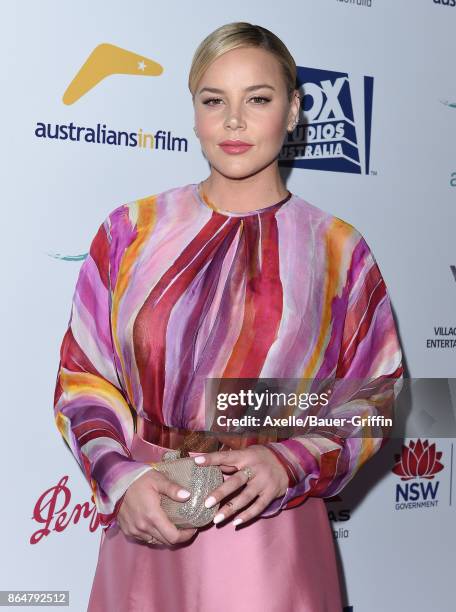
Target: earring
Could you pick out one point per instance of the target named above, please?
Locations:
(194, 129)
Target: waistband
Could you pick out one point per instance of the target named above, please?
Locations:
(174, 437)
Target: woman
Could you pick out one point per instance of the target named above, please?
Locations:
(234, 277)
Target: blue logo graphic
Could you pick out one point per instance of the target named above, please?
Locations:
(328, 139)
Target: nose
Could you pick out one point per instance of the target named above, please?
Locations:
(234, 119)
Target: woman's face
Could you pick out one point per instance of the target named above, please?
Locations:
(242, 96)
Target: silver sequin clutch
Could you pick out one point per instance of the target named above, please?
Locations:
(199, 480)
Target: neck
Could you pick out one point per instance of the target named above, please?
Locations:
(244, 194)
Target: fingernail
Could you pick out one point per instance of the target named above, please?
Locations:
(210, 501)
(237, 521)
(182, 493)
(200, 459)
(219, 517)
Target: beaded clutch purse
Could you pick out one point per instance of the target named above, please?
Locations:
(199, 480)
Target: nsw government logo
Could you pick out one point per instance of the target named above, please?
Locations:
(417, 466)
(335, 131)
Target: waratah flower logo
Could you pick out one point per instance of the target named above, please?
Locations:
(418, 460)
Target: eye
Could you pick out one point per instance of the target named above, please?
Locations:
(262, 99)
(212, 100)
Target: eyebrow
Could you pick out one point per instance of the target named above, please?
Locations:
(250, 88)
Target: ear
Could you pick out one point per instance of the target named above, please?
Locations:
(295, 108)
(296, 104)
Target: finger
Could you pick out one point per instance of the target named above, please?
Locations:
(230, 458)
(185, 534)
(158, 518)
(168, 530)
(255, 509)
(155, 520)
(158, 538)
(168, 536)
(230, 485)
(144, 535)
(228, 469)
(236, 503)
(181, 535)
(170, 488)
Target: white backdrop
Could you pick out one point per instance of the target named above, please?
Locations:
(56, 192)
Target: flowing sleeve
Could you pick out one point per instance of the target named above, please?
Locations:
(369, 376)
(91, 409)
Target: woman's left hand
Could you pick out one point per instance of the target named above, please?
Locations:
(269, 480)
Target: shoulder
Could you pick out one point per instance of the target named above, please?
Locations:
(345, 247)
(337, 233)
(127, 219)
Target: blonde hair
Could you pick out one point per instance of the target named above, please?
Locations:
(240, 34)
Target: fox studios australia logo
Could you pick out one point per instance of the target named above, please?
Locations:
(329, 137)
(417, 465)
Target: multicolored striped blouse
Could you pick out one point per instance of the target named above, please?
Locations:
(175, 291)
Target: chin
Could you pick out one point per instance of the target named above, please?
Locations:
(237, 172)
(239, 169)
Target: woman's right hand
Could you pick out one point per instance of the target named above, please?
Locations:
(141, 516)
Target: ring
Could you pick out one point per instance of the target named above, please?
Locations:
(248, 472)
(152, 541)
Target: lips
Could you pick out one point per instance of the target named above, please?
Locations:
(234, 143)
(234, 147)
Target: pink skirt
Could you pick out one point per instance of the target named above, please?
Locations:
(281, 563)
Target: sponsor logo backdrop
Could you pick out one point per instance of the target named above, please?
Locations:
(96, 112)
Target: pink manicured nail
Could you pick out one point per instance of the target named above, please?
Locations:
(200, 459)
(219, 517)
(210, 501)
(182, 493)
(237, 521)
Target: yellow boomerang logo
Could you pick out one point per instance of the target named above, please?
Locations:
(102, 62)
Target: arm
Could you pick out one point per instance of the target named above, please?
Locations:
(91, 409)
(369, 377)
